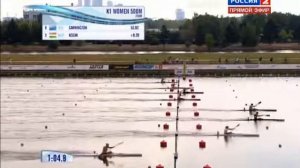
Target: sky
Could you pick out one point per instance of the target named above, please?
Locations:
(155, 8)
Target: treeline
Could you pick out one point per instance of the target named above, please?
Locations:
(248, 30)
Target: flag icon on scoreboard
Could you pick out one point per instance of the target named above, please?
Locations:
(52, 28)
(52, 35)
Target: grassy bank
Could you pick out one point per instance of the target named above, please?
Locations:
(201, 58)
(147, 47)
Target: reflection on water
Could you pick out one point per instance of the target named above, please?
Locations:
(78, 116)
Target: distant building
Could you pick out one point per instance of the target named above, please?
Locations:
(79, 3)
(119, 4)
(31, 15)
(180, 15)
(110, 3)
(97, 2)
(87, 2)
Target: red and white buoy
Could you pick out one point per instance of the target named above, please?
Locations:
(159, 166)
(166, 126)
(202, 144)
(206, 166)
(163, 144)
(168, 113)
(198, 126)
(196, 113)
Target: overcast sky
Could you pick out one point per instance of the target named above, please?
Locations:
(155, 8)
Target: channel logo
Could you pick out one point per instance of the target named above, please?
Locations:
(265, 2)
(244, 2)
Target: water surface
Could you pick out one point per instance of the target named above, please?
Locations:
(83, 114)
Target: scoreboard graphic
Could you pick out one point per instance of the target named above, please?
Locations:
(249, 6)
(92, 23)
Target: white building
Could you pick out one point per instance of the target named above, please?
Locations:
(180, 15)
(31, 15)
(97, 2)
(79, 3)
(110, 3)
(87, 2)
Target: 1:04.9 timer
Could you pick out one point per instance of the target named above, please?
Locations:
(57, 158)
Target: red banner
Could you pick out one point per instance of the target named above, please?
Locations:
(249, 10)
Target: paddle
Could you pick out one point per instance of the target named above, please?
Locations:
(118, 144)
(236, 126)
(257, 104)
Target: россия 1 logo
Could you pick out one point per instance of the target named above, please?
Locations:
(249, 6)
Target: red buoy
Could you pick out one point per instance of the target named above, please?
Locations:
(196, 114)
(166, 126)
(163, 144)
(190, 80)
(198, 126)
(169, 104)
(202, 144)
(168, 113)
(173, 84)
(194, 104)
(193, 96)
(173, 80)
(170, 96)
(171, 90)
(159, 166)
(206, 166)
(192, 90)
(191, 85)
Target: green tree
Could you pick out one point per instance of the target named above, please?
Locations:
(232, 34)
(53, 45)
(36, 31)
(187, 32)
(24, 32)
(270, 31)
(152, 38)
(209, 41)
(297, 34)
(164, 34)
(248, 36)
(12, 32)
(285, 36)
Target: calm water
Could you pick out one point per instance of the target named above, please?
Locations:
(97, 111)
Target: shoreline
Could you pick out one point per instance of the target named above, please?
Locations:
(143, 74)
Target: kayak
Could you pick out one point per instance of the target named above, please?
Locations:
(110, 155)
